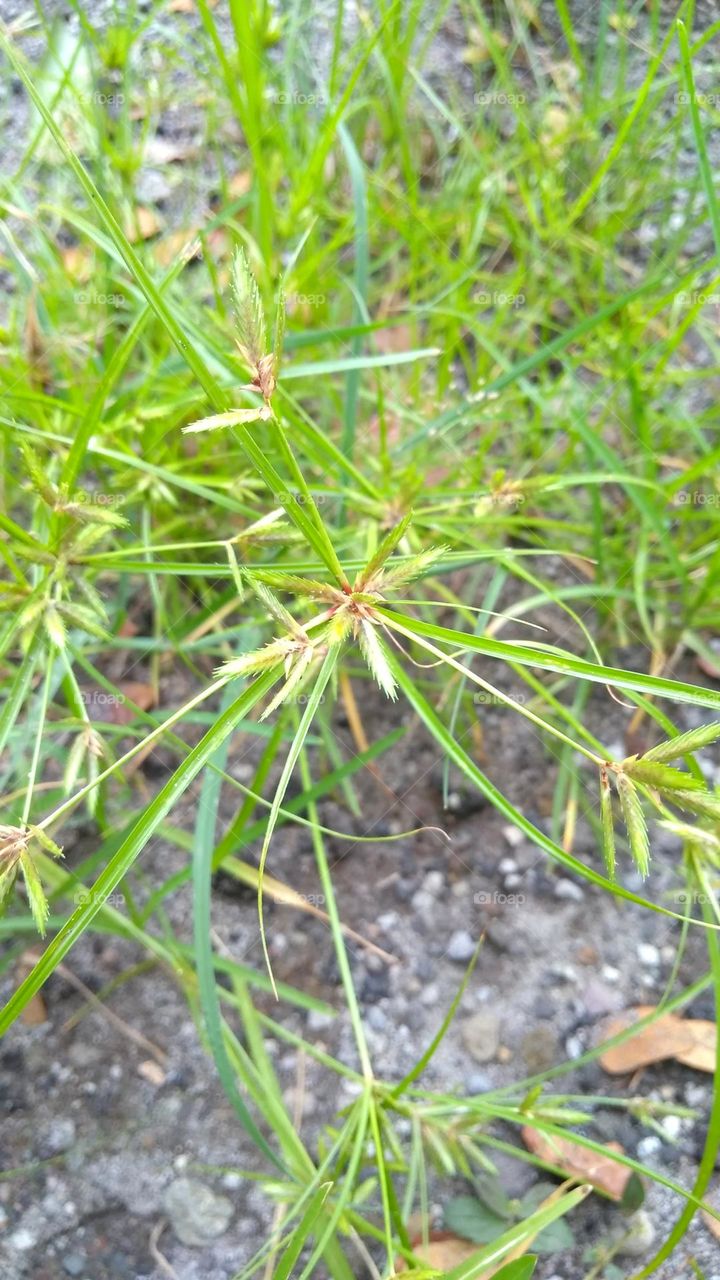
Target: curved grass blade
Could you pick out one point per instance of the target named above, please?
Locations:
(556, 660)
(306, 720)
(132, 846)
(459, 756)
(203, 845)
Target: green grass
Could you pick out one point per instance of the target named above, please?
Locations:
(495, 398)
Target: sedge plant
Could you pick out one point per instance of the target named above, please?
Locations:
(308, 598)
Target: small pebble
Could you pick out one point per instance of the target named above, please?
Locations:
(649, 1147)
(73, 1264)
(672, 1126)
(478, 1082)
(197, 1214)
(481, 1035)
(22, 1239)
(568, 891)
(637, 1235)
(648, 955)
(574, 1047)
(319, 1021)
(434, 883)
(376, 1018)
(430, 994)
(461, 947)
(57, 1138)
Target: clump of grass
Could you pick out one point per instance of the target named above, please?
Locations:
(536, 413)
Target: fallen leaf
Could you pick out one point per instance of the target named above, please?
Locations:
(396, 337)
(35, 1011)
(690, 1041)
(142, 224)
(115, 708)
(709, 667)
(175, 244)
(443, 1251)
(240, 183)
(589, 1166)
(161, 151)
(78, 263)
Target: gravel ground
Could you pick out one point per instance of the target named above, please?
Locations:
(106, 1144)
(105, 1137)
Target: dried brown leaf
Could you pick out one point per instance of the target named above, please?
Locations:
(142, 224)
(690, 1041)
(600, 1171)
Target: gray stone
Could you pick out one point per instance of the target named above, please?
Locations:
(637, 1236)
(74, 1264)
(568, 891)
(481, 1035)
(649, 1147)
(376, 1018)
(58, 1137)
(319, 1021)
(423, 903)
(478, 1082)
(434, 883)
(574, 1047)
(197, 1214)
(540, 1048)
(461, 947)
(430, 994)
(600, 999)
(22, 1239)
